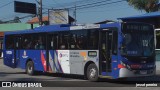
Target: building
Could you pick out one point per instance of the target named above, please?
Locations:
(45, 20)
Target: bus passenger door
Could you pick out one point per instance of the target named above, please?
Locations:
(9, 52)
(107, 48)
(17, 51)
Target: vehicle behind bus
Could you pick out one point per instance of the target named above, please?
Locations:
(114, 50)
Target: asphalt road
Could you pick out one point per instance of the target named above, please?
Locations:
(60, 82)
(10, 74)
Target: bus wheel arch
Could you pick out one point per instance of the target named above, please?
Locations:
(88, 66)
(29, 67)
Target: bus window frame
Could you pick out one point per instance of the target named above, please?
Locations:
(84, 33)
(32, 40)
(88, 39)
(49, 37)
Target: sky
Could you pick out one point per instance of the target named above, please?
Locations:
(96, 10)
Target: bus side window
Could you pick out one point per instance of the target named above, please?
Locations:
(81, 42)
(26, 42)
(73, 41)
(52, 41)
(9, 41)
(78, 40)
(18, 42)
(63, 41)
(93, 39)
(40, 42)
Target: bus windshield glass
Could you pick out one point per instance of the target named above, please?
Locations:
(138, 40)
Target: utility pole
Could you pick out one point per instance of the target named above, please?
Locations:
(75, 14)
(40, 12)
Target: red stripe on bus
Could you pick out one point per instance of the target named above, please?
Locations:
(121, 66)
(43, 61)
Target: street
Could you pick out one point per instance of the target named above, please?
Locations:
(63, 81)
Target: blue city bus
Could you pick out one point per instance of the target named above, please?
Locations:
(113, 50)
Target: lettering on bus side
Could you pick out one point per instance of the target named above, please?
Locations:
(74, 54)
(8, 52)
(63, 54)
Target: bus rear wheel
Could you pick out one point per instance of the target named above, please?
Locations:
(30, 68)
(92, 72)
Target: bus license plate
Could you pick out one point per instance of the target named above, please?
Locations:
(143, 72)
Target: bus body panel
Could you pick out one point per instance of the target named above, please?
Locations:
(70, 61)
(115, 70)
(54, 62)
(17, 58)
(37, 56)
(79, 58)
(134, 69)
(9, 59)
(74, 61)
(124, 72)
(59, 61)
(63, 58)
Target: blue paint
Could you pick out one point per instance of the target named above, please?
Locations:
(54, 61)
(35, 55)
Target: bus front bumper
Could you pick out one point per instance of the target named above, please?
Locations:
(124, 72)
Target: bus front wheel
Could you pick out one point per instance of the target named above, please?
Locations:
(30, 68)
(92, 72)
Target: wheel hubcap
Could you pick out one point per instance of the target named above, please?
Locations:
(30, 69)
(92, 73)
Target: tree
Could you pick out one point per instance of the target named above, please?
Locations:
(1, 21)
(16, 20)
(146, 5)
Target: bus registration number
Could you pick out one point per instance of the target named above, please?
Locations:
(143, 72)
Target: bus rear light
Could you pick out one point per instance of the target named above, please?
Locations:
(121, 66)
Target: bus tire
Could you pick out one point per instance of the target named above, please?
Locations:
(30, 68)
(92, 72)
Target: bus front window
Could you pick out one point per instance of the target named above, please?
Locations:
(138, 40)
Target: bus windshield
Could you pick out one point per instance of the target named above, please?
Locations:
(138, 40)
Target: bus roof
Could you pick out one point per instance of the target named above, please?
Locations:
(40, 29)
(63, 27)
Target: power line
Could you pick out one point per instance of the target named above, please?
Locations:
(67, 4)
(96, 5)
(104, 10)
(79, 3)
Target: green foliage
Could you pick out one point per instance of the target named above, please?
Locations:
(1, 21)
(146, 5)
